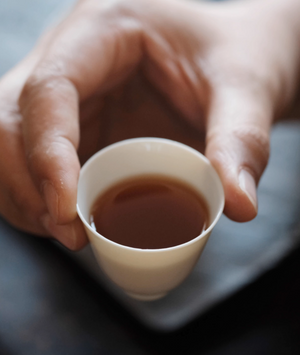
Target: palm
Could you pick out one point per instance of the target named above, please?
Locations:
(134, 109)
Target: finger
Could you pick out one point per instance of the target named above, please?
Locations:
(71, 235)
(88, 54)
(20, 203)
(238, 146)
(51, 136)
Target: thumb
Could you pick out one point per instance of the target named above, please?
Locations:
(238, 147)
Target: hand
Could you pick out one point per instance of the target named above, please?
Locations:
(200, 69)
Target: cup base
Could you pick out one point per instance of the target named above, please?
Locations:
(142, 297)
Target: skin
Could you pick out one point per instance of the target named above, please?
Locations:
(214, 76)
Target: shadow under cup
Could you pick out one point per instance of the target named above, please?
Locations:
(147, 274)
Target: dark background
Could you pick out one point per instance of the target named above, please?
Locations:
(49, 305)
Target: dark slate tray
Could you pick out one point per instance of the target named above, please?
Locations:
(236, 254)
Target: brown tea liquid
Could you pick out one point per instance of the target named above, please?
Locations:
(150, 212)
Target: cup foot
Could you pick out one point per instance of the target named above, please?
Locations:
(142, 297)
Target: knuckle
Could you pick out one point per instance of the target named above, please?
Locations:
(245, 146)
(254, 146)
(255, 139)
(45, 152)
(121, 16)
(45, 80)
(47, 161)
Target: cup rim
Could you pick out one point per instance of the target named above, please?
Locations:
(162, 140)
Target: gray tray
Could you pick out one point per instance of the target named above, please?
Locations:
(236, 254)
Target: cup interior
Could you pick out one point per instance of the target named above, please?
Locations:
(144, 156)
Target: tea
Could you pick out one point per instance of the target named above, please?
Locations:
(150, 212)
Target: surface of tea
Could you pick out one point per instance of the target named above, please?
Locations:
(150, 212)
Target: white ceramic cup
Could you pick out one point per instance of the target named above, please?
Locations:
(147, 274)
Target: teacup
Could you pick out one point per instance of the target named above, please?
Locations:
(148, 274)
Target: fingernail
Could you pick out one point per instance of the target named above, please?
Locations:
(65, 234)
(248, 185)
(51, 199)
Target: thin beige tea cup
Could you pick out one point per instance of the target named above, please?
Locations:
(148, 274)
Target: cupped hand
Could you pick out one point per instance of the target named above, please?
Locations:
(209, 75)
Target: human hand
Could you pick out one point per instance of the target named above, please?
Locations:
(217, 64)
